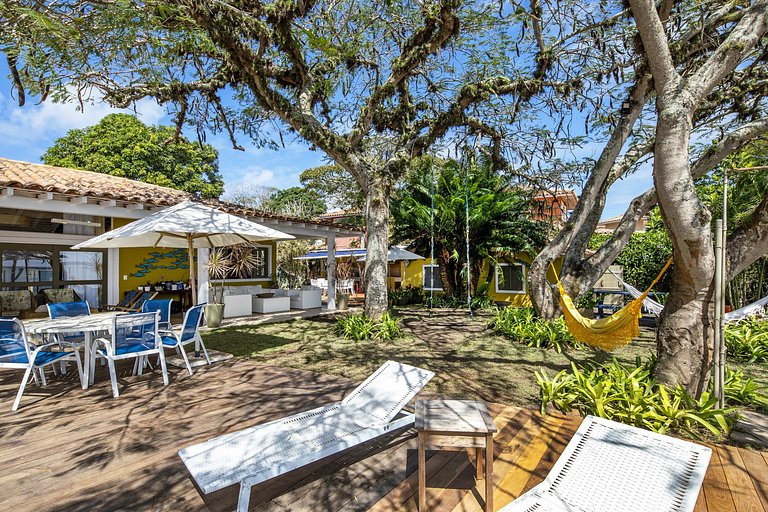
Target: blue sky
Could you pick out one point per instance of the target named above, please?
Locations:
(26, 132)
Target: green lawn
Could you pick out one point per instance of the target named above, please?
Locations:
(469, 360)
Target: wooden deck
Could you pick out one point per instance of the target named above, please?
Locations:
(74, 450)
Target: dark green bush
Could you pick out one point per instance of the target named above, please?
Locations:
(522, 324)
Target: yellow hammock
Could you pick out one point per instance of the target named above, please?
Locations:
(606, 333)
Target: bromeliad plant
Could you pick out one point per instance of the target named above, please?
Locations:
(360, 327)
(522, 325)
(748, 340)
(632, 396)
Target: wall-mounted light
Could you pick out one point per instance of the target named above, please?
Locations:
(76, 222)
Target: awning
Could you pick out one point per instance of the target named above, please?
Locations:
(393, 254)
(396, 253)
(323, 254)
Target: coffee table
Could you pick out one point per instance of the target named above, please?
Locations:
(456, 425)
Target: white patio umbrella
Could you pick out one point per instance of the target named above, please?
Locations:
(188, 224)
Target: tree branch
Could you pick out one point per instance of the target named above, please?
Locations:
(656, 45)
(728, 55)
(749, 242)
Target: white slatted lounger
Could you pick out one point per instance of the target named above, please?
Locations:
(609, 466)
(261, 452)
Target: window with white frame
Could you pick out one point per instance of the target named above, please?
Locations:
(510, 278)
(431, 278)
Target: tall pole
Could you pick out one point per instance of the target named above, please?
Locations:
(718, 341)
(191, 256)
(723, 284)
(432, 238)
(466, 210)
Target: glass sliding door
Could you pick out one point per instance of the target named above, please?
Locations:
(37, 267)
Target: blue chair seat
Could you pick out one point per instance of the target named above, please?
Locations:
(169, 341)
(43, 357)
(130, 348)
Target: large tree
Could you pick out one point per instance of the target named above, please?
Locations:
(372, 84)
(697, 69)
(121, 145)
(297, 201)
(500, 224)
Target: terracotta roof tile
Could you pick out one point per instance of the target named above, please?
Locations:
(76, 182)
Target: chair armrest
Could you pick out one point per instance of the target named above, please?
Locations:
(38, 348)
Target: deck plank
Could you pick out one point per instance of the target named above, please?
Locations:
(757, 469)
(91, 452)
(715, 486)
(743, 491)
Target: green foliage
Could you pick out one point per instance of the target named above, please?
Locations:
(745, 191)
(631, 396)
(355, 327)
(404, 296)
(482, 299)
(644, 255)
(296, 201)
(335, 185)
(740, 390)
(499, 217)
(522, 325)
(388, 327)
(748, 340)
(121, 145)
(360, 327)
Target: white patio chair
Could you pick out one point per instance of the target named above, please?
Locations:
(262, 452)
(609, 466)
(16, 352)
(190, 333)
(133, 336)
(346, 286)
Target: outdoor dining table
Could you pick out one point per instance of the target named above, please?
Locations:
(86, 324)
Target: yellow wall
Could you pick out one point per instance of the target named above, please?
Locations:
(413, 276)
(131, 260)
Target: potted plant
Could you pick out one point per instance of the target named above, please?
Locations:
(222, 263)
(344, 270)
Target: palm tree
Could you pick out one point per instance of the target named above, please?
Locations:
(499, 218)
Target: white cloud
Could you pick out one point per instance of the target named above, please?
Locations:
(33, 125)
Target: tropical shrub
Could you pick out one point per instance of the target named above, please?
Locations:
(360, 327)
(748, 340)
(632, 396)
(405, 295)
(355, 327)
(522, 325)
(388, 327)
(740, 390)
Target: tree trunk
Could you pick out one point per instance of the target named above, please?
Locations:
(377, 223)
(685, 329)
(541, 291)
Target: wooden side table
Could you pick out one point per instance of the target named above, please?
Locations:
(455, 425)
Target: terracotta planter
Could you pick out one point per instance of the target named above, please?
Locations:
(214, 314)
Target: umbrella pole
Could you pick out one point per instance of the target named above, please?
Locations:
(192, 282)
